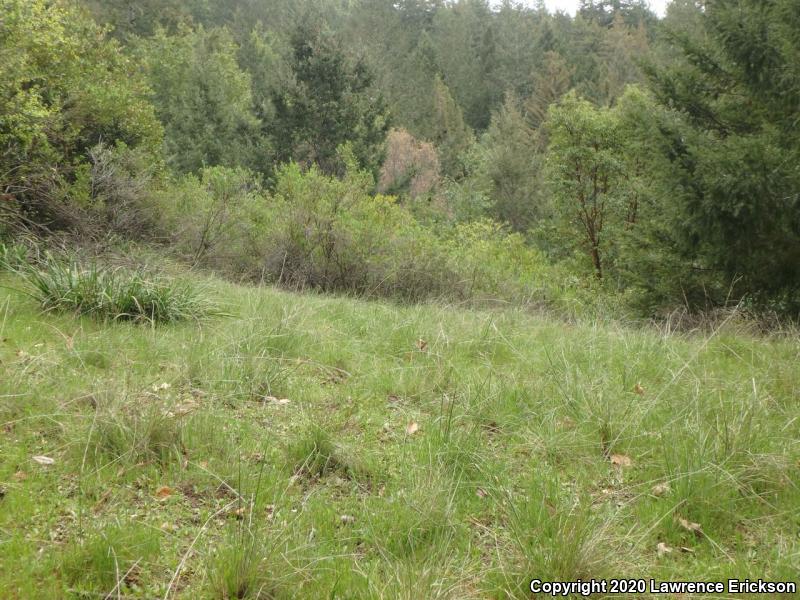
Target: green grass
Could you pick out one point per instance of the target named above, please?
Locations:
(461, 467)
(111, 293)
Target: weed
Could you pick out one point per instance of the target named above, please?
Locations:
(115, 294)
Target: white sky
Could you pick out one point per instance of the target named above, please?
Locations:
(570, 6)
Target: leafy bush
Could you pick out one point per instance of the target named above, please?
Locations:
(214, 219)
(112, 293)
(331, 234)
(64, 87)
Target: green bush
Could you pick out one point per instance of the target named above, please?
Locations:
(215, 220)
(112, 293)
(331, 234)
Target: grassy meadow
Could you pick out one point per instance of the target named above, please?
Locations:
(306, 446)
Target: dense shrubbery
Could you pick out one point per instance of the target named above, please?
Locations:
(64, 88)
(332, 234)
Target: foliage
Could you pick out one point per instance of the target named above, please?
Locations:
(411, 167)
(203, 99)
(585, 169)
(112, 293)
(508, 165)
(449, 133)
(215, 219)
(330, 234)
(733, 153)
(64, 88)
(330, 101)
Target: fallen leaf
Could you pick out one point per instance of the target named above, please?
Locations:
(689, 526)
(44, 460)
(422, 345)
(284, 401)
(347, 519)
(661, 489)
(620, 460)
(412, 428)
(164, 492)
(663, 549)
(481, 493)
(392, 399)
(20, 476)
(638, 389)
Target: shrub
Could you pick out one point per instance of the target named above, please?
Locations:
(112, 293)
(64, 87)
(411, 166)
(213, 219)
(331, 234)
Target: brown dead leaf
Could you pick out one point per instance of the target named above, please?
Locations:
(695, 528)
(638, 389)
(164, 492)
(412, 428)
(621, 460)
(662, 549)
(481, 493)
(661, 489)
(422, 345)
(44, 460)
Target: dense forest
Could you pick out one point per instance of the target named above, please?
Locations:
(418, 149)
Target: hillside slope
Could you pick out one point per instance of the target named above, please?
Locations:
(309, 446)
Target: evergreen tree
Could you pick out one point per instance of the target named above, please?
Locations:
(202, 97)
(734, 150)
(331, 101)
(450, 134)
(509, 166)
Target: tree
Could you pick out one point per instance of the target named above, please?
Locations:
(203, 99)
(585, 168)
(64, 88)
(734, 146)
(330, 101)
(451, 136)
(549, 84)
(509, 165)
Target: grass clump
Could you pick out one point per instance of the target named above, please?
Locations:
(114, 294)
(315, 454)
